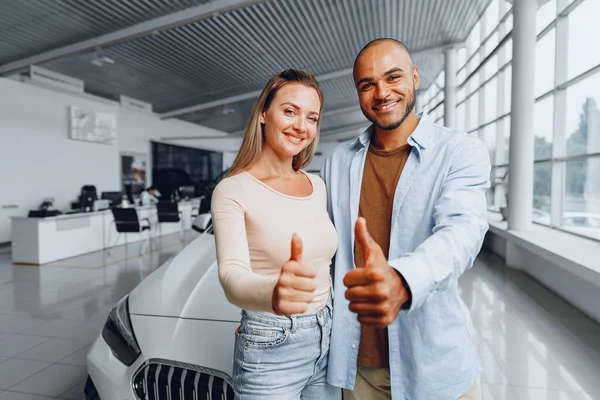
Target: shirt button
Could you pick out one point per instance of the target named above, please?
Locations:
(354, 346)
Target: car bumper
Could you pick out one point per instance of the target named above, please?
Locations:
(204, 350)
(110, 378)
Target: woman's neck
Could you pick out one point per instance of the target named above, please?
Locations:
(270, 166)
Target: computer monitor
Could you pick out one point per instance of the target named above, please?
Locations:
(100, 205)
(114, 197)
(187, 191)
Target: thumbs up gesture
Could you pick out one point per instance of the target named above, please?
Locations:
(296, 285)
(376, 292)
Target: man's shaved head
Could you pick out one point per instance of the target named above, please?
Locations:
(375, 42)
(386, 81)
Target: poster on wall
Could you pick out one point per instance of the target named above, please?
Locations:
(133, 172)
(92, 126)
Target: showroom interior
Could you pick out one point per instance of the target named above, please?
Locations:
(108, 105)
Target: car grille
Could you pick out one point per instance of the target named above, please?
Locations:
(168, 380)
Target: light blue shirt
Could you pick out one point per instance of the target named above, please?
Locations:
(439, 219)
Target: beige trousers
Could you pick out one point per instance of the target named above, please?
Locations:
(374, 384)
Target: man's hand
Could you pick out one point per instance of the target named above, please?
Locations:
(376, 292)
(296, 285)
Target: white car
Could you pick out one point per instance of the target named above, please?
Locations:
(171, 338)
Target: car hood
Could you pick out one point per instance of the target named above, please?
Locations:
(186, 286)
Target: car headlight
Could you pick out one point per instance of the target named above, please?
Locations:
(119, 335)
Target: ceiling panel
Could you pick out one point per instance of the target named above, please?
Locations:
(231, 53)
(29, 27)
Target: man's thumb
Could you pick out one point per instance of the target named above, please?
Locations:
(363, 238)
(296, 248)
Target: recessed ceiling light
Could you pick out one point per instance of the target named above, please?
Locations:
(102, 61)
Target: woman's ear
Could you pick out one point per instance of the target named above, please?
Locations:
(263, 116)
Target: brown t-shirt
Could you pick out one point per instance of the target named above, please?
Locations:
(381, 174)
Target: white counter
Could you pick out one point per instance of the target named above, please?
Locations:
(44, 240)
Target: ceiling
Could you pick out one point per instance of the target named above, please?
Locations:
(204, 61)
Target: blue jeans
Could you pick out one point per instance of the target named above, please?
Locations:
(283, 357)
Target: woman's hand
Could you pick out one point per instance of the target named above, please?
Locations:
(296, 285)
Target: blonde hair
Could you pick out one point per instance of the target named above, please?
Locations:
(252, 143)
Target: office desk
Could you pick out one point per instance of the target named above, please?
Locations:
(40, 241)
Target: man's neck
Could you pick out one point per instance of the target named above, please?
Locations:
(387, 140)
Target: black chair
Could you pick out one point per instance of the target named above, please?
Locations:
(169, 213)
(126, 221)
(203, 214)
(205, 203)
(87, 197)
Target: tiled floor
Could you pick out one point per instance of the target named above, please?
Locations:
(50, 315)
(533, 344)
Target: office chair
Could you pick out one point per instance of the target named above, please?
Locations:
(203, 220)
(87, 197)
(169, 213)
(126, 221)
(205, 203)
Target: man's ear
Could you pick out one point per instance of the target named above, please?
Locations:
(416, 77)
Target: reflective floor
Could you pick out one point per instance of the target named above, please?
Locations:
(533, 344)
(50, 315)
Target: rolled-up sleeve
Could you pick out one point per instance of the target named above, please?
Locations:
(243, 287)
(460, 224)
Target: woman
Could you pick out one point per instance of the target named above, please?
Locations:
(275, 243)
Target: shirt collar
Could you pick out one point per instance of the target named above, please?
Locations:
(420, 136)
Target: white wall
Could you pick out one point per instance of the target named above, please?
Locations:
(37, 159)
(580, 293)
(323, 151)
(229, 158)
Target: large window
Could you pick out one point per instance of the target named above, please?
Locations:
(432, 98)
(490, 44)
(490, 68)
(544, 63)
(491, 101)
(584, 31)
(581, 209)
(473, 119)
(545, 15)
(542, 187)
(473, 40)
(460, 117)
(567, 91)
(507, 89)
(542, 129)
(583, 117)
(492, 17)
(489, 134)
(504, 142)
(498, 192)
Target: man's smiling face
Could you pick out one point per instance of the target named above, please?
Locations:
(386, 81)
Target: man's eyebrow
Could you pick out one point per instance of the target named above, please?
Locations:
(367, 79)
(391, 71)
(388, 72)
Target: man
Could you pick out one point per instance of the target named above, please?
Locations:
(399, 328)
(150, 196)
